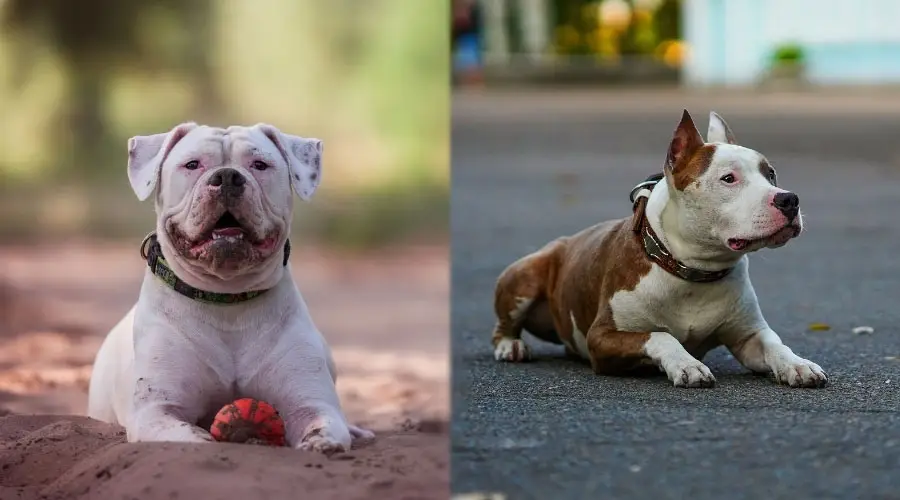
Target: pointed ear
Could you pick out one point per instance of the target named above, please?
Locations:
(719, 131)
(303, 156)
(685, 143)
(146, 154)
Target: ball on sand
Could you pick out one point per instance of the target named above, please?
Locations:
(249, 421)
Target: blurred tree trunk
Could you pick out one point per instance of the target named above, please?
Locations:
(83, 118)
(208, 100)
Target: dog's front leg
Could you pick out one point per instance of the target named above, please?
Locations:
(613, 351)
(173, 389)
(300, 384)
(756, 346)
(164, 423)
(760, 349)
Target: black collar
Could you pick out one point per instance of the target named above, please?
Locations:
(654, 248)
(152, 252)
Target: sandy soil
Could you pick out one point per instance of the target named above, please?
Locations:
(384, 315)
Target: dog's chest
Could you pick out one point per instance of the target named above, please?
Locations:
(662, 302)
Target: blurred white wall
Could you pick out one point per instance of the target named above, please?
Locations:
(845, 41)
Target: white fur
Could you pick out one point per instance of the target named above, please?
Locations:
(682, 368)
(580, 338)
(172, 361)
(514, 350)
(695, 225)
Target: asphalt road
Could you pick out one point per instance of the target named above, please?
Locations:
(551, 429)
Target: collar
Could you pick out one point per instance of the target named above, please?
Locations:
(152, 252)
(654, 248)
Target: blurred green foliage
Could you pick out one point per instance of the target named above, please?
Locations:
(369, 77)
(789, 53)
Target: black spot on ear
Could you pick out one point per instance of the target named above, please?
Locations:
(314, 176)
(148, 182)
(297, 176)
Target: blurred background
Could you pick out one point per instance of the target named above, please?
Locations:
(560, 108)
(80, 78)
(696, 42)
(370, 78)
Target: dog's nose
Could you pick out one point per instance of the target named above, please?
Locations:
(787, 203)
(227, 178)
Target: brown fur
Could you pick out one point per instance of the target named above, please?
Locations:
(688, 157)
(575, 277)
(577, 274)
(692, 167)
(766, 170)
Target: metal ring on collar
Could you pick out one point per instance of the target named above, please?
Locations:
(644, 185)
(144, 243)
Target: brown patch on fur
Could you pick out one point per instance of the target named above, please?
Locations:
(688, 156)
(575, 277)
(767, 171)
(688, 170)
(531, 277)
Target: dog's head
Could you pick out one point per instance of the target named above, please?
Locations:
(727, 194)
(223, 196)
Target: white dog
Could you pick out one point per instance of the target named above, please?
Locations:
(665, 286)
(219, 316)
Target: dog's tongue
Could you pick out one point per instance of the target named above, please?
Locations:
(228, 231)
(737, 244)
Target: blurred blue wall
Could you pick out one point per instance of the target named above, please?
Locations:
(845, 41)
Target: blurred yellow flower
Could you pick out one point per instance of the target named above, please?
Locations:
(672, 52)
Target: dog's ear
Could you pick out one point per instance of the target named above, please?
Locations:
(303, 156)
(685, 142)
(719, 131)
(146, 154)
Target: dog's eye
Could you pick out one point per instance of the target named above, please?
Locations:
(260, 165)
(728, 179)
(192, 165)
(772, 175)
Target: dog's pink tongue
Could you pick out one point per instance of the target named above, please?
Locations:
(228, 231)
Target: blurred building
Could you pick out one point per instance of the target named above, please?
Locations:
(745, 42)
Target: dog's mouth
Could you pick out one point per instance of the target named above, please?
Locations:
(227, 226)
(226, 235)
(774, 240)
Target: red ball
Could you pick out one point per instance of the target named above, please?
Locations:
(248, 420)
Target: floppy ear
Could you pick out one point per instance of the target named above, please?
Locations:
(685, 143)
(146, 154)
(719, 131)
(303, 156)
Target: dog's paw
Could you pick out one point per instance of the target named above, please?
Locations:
(800, 372)
(514, 350)
(358, 433)
(690, 373)
(322, 441)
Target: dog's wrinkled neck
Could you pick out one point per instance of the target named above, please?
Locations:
(262, 276)
(663, 215)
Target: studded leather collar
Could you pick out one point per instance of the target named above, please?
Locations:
(654, 248)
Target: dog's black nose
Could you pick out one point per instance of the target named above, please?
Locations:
(228, 178)
(787, 203)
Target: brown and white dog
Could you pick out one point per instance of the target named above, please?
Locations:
(665, 286)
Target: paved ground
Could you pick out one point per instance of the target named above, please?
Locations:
(551, 429)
